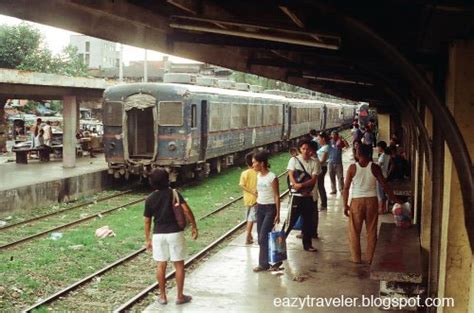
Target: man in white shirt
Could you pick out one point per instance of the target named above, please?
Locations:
(302, 172)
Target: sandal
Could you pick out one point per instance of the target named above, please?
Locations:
(311, 249)
(276, 266)
(259, 269)
(185, 299)
(162, 301)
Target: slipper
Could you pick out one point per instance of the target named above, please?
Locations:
(311, 249)
(185, 299)
(275, 267)
(162, 301)
(259, 269)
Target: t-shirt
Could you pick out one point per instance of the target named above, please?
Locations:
(158, 205)
(320, 153)
(356, 134)
(311, 166)
(315, 191)
(248, 178)
(384, 161)
(335, 153)
(265, 189)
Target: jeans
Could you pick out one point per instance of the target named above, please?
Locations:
(303, 206)
(265, 217)
(314, 233)
(335, 169)
(321, 189)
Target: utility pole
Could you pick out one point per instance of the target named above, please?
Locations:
(145, 67)
(121, 63)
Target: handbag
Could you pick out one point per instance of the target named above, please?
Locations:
(178, 210)
(276, 246)
(300, 176)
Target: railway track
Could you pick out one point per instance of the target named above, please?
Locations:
(135, 254)
(65, 225)
(37, 218)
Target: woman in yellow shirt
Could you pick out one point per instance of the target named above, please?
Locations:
(248, 183)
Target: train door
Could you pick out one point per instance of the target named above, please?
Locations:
(204, 130)
(324, 117)
(140, 129)
(286, 121)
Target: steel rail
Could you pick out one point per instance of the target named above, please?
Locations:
(83, 281)
(105, 269)
(188, 262)
(66, 209)
(13, 243)
(229, 203)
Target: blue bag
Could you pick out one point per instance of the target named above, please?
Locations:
(299, 223)
(276, 246)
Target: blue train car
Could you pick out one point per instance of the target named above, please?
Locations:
(192, 130)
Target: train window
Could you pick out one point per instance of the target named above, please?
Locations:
(239, 116)
(220, 116)
(270, 115)
(113, 113)
(170, 113)
(193, 116)
(259, 115)
(294, 115)
(252, 116)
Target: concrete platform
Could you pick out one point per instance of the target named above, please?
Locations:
(226, 282)
(36, 184)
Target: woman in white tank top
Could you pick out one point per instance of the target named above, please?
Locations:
(268, 206)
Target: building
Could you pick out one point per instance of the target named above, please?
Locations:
(96, 53)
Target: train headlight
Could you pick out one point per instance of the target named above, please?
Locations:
(172, 146)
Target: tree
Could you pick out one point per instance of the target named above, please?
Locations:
(22, 47)
(266, 83)
(16, 43)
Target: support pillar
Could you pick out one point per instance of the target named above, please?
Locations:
(70, 119)
(456, 276)
(384, 127)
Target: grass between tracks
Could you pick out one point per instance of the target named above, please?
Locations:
(41, 267)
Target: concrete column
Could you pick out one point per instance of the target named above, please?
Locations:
(384, 127)
(70, 119)
(425, 234)
(456, 276)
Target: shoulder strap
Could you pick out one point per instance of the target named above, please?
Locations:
(304, 170)
(175, 197)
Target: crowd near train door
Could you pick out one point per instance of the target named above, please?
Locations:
(140, 126)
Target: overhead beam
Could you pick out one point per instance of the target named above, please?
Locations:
(99, 19)
(253, 35)
(254, 25)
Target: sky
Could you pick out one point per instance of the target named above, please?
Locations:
(56, 39)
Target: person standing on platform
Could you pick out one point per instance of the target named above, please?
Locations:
(34, 131)
(268, 207)
(48, 133)
(167, 242)
(335, 162)
(363, 206)
(315, 192)
(384, 162)
(39, 139)
(248, 184)
(323, 155)
(302, 204)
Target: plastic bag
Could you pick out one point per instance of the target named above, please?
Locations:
(402, 214)
(276, 246)
(299, 223)
(104, 231)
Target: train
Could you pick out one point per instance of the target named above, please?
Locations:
(193, 127)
